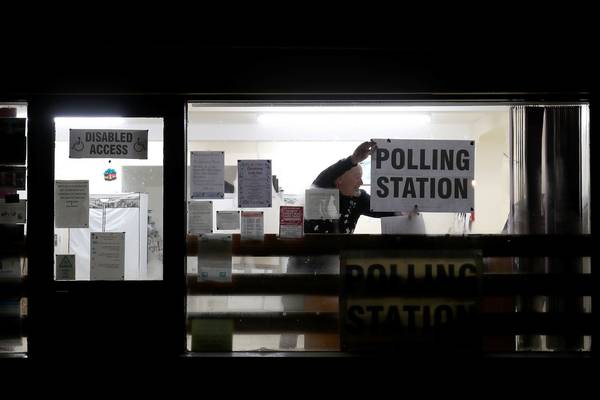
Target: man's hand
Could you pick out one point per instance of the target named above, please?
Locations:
(363, 151)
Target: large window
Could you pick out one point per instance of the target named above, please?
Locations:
(108, 198)
(301, 141)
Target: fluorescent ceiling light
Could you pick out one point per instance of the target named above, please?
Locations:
(89, 122)
(353, 119)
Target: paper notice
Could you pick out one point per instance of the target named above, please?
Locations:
(252, 225)
(71, 204)
(255, 183)
(207, 174)
(214, 257)
(107, 261)
(108, 143)
(212, 335)
(322, 203)
(228, 220)
(291, 222)
(200, 217)
(65, 267)
(12, 213)
(402, 225)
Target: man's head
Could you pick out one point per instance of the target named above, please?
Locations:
(350, 181)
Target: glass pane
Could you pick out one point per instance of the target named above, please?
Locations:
(109, 198)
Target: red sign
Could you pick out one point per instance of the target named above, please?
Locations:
(291, 222)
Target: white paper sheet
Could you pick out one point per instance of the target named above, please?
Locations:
(228, 220)
(322, 203)
(207, 174)
(65, 267)
(291, 222)
(71, 204)
(254, 183)
(13, 213)
(214, 257)
(402, 225)
(253, 226)
(434, 175)
(107, 260)
(200, 217)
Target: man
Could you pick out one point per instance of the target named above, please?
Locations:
(346, 176)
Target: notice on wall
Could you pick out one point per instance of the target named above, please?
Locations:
(200, 217)
(291, 222)
(322, 203)
(10, 268)
(253, 226)
(214, 258)
(65, 267)
(212, 334)
(71, 204)
(12, 137)
(255, 183)
(434, 175)
(108, 143)
(228, 220)
(207, 174)
(13, 213)
(107, 256)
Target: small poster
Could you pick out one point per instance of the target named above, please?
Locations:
(108, 143)
(255, 183)
(228, 220)
(253, 227)
(291, 222)
(214, 258)
(107, 256)
(207, 173)
(71, 204)
(12, 213)
(322, 203)
(200, 217)
(65, 267)
(12, 137)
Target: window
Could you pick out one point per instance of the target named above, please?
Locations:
(108, 198)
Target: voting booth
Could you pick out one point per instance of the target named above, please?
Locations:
(126, 212)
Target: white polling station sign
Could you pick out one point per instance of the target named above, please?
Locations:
(108, 143)
(433, 175)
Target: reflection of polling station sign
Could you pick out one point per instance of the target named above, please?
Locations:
(108, 143)
(406, 300)
(434, 175)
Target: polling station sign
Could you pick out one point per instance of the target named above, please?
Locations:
(434, 175)
(108, 143)
(409, 300)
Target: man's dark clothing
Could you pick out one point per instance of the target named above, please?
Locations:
(350, 207)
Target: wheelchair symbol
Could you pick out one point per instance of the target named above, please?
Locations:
(139, 146)
(78, 146)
